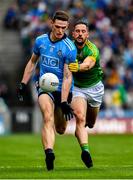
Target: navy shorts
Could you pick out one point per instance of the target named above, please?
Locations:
(56, 97)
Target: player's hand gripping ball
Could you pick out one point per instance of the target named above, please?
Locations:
(49, 82)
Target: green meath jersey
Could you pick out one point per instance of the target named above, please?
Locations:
(92, 76)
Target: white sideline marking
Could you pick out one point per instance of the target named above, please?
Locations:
(9, 167)
(102, 166)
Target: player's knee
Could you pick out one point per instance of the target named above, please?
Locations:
(48, 116)
(80, 119)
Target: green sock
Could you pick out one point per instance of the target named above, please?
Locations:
(85, 147)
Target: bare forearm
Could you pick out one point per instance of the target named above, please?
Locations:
(28, 72)
(66, 88)
(67, 82)
(86, 65)
(29, 68)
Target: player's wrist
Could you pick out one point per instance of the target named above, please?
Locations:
(78, 67)
(64, 102)
(21, 90)
(67, 110)
(22, 86)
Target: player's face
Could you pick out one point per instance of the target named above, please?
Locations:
(80, 34)
(58, 29)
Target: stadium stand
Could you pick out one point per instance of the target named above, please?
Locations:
(111, 29)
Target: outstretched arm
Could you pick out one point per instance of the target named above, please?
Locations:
(67, 82)
(87, 64)
(26, 77)
(29, 69)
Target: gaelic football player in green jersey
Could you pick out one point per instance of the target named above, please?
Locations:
(89, 89)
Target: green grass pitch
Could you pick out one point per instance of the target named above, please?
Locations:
(22, 157)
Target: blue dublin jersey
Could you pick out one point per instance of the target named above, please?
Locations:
(53, 55)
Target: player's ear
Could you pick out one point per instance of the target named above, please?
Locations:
(87, 36)
(67, 25)
(51, 21)
(73, 34)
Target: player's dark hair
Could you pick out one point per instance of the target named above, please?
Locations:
(82, 21)
(61, 15)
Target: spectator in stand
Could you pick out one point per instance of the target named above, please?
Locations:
(109, 22)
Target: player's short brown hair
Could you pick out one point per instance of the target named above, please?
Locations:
(61, 15)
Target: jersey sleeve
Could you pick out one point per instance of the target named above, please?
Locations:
(36, 47)
(94, 52)
(71, 56)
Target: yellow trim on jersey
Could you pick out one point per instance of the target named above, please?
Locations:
(92, 58)
(91, 47)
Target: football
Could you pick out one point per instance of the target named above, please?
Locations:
(49, 82)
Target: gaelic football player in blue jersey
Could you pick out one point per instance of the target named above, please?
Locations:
(54, 51)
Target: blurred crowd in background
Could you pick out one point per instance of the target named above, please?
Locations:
(111, 29)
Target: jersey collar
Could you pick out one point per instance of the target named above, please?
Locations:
(57, 40)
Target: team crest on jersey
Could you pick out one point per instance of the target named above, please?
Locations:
(81, 55)
(60, 53)
(80, 58)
